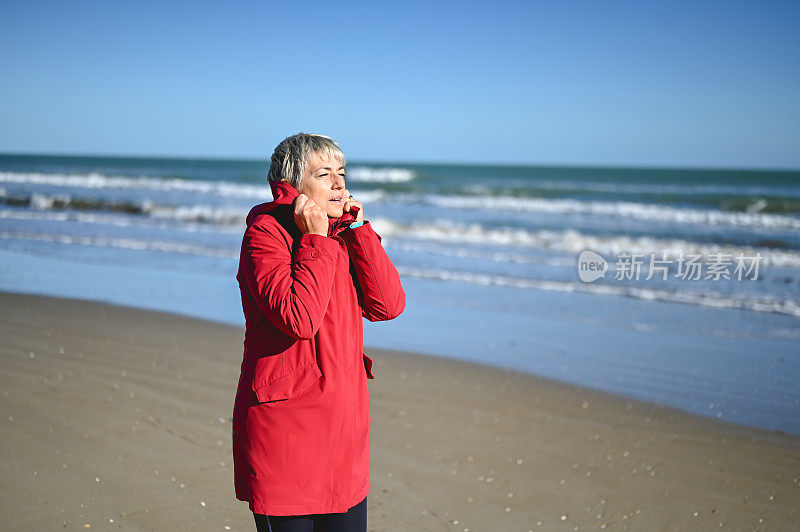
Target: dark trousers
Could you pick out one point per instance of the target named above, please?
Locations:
(353, 520)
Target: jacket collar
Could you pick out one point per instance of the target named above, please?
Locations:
(284, 194)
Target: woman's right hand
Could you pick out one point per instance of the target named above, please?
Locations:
(309, 216)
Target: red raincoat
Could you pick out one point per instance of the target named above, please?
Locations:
(301, 415)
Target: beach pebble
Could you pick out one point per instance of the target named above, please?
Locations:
(563, 517)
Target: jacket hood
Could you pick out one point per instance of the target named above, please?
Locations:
(284, 194)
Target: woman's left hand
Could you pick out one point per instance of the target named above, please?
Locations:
(350, 202)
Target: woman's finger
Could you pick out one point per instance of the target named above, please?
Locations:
(299, 202)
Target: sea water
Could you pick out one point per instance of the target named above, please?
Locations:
(696, 304)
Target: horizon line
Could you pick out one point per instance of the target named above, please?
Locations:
(540, 164)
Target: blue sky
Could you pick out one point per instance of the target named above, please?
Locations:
(641, 83)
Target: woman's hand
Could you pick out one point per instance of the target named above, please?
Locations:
(310, 217)
(354, 203)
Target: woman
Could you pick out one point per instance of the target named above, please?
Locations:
(310, 268)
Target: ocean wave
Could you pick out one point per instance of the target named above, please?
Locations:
(666, 189)
(619, 209)
(461, 252)
(100, 181)
(379, 175)
(764, 304)
(186, 213)
(166, 222)
(123, 243)
(757, 303)
(573, 242)
(190, 213)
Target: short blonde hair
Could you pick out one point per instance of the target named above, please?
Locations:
(289, 160)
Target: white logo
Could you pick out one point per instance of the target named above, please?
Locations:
(591, 266)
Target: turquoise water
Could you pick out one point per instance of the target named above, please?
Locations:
(488, 255)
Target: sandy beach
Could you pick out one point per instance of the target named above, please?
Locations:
(120, 418)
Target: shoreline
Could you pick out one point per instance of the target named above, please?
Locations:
(123, 414)
(743, 363)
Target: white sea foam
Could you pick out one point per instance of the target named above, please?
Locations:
(573, 242)
(100, 181)
(764, 304)
(379, 175)
(620, 209)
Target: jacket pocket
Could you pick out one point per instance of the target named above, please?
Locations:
(270, 383)
(368, 366)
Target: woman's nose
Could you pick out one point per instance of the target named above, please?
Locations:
(338, 181)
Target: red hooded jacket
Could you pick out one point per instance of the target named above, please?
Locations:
(301, 414)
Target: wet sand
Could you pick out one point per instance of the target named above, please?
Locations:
(120, 418)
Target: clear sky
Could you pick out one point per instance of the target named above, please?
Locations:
(670, 83)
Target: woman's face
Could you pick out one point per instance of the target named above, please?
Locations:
(323, 182)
